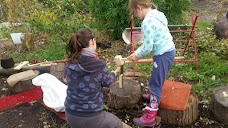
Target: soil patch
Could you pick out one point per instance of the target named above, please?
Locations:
(30, 115)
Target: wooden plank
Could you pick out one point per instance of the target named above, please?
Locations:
(10, 71)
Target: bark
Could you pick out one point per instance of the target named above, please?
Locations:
(181, 118)
(219, 103)
(126, 97)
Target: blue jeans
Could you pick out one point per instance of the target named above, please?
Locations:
(161, 66)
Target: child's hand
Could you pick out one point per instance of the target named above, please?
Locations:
(133, 57)
(116, 71)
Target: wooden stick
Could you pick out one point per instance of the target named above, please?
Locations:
(149, 60)
(18, 67)
(121, 81)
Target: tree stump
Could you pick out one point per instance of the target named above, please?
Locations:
(57, 70)
(220, 28)
(126, 97)
(7, 62)
(219, 103)
(181, 118)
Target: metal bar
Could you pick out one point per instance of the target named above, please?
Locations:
(181, 25)
(180, 40)
(132, 39)
(195, 52)
(137, 32)
(132, 43)
(151, 60)
(173, 31)
(133, 28)
(185, 60)
(194, 19)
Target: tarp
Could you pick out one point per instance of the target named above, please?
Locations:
(12, 101)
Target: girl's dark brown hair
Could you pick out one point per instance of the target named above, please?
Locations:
(78, 41)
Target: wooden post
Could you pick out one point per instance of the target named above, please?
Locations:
(121, 81)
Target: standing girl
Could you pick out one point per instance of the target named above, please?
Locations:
(159, 42)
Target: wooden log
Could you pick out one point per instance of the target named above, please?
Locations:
(181, 118)
(126, 97)
(15, 78)
(57, 70)
(220, 28)
(43, 67)
(22, 64)
(57, 67)
(10, 71)
(219, 104)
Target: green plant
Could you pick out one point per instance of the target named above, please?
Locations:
(174, 9)
(4, 33)
(51, 17)
(53, 50)
(114, 15)
(207, 41)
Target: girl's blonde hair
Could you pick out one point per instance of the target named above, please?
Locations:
(133, 4)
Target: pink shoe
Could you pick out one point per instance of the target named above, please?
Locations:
(148, 118)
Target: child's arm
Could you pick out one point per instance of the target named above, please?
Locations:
(108, 78)
(148, 35)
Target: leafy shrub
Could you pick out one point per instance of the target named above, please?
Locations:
(174, 9)
(60, 17)
(207, 41)
(114, 15)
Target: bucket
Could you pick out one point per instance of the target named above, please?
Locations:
(16, 37)
(126, 35)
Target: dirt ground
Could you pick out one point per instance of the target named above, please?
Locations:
(35, 115)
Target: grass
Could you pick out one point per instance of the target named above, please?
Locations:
(53, 49)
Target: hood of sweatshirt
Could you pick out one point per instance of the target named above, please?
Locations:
(86, 65)
(160, 16)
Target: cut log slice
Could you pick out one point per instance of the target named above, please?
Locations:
(219, 103)
(126, 97)
(7, 62)
(181, 118)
